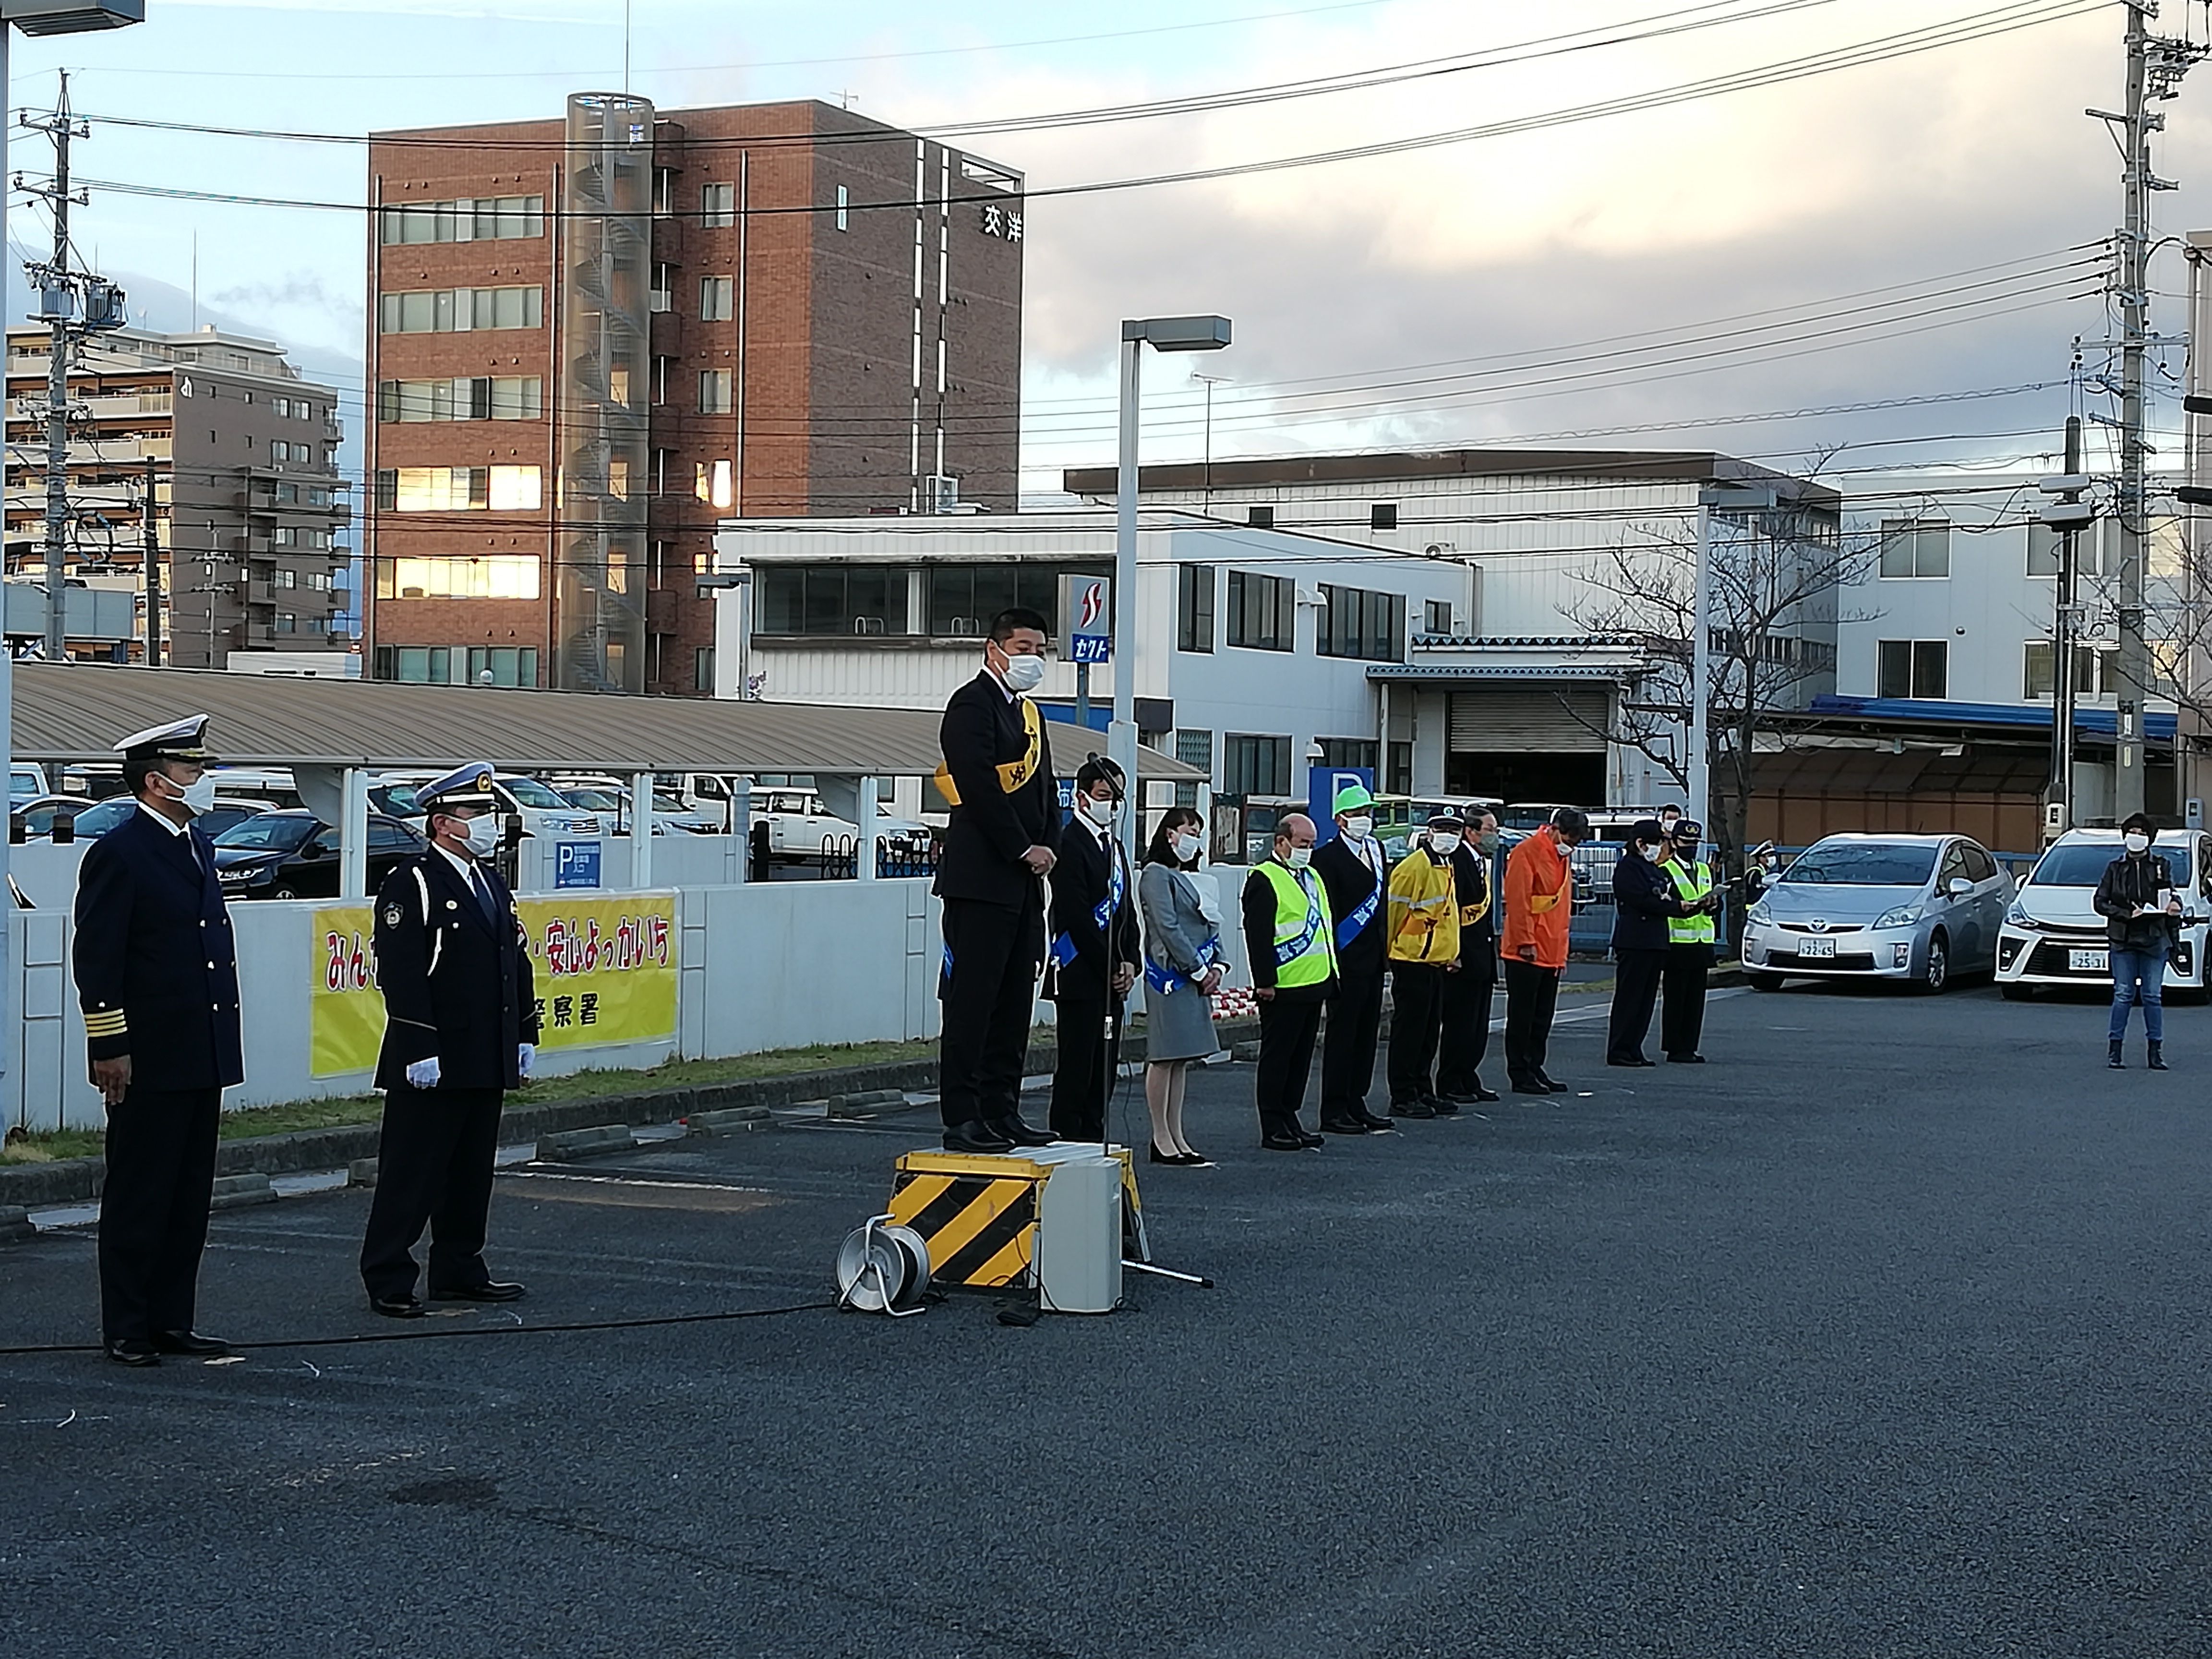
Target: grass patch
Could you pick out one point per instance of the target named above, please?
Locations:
(349, 1111)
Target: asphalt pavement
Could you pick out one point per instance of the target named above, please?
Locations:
(1885, 1334)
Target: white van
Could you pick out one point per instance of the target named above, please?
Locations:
(2052, 934)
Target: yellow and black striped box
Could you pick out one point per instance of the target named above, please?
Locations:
(976, 1211)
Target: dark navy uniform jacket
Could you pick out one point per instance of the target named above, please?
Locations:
(1643, 898)
(1082, 882)
(457, 983)
(157, 970)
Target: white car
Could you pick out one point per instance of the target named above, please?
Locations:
(2052, 934)
(543, 812)
(798, 825)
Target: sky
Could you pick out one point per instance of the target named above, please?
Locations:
(1901, 232)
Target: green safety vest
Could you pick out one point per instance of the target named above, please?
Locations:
(1305, 938)
(1692, 882)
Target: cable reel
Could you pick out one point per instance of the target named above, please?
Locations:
(882, 1268)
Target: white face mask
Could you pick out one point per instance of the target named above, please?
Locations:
(1442, 844)
(480, 833)
(1100, 813)
(1186, 848)
(198, 795)
(1359, 828)
(2137, 843)
(1299, 857)
(1025, 673)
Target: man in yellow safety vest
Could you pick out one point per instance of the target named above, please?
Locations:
(1689, 947)
(1291, 942)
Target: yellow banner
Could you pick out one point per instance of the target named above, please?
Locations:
(605, 970)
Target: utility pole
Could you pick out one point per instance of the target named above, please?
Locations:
(153, 570)
(2067, 515)
(2155, 67)
(61, 128)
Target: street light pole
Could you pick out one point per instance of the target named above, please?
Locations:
(1700, 668)
(1161, 334)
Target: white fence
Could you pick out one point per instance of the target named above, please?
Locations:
(768, 966)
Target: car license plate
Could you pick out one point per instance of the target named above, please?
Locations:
(1815, 947)
(2089, 962)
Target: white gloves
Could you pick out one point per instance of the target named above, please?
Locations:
(525, 1056)
(423, 1073)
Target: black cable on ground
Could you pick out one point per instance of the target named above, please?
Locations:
(365, 1338)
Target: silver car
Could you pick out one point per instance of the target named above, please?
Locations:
(1916, 908)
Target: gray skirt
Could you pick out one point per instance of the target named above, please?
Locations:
(1178, 1024)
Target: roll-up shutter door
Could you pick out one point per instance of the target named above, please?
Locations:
(1564, 719)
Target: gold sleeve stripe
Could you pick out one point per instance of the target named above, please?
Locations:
(111, 1024)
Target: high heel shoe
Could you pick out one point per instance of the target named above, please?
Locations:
(1159, 1156)
(1193, 1159)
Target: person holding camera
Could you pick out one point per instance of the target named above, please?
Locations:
(2135, 896)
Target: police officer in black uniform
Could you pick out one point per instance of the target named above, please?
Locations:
(157, 978)
(1000, 842)
(460, 1029)
(1096, 948)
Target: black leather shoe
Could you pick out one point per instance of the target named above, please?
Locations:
(1345, 1126)
(189, 1342)
(1686, 1060)
(1285, 1142)
(1550, 1083)
(1018, 1134)
(1484, 1095)
(975, 1136)
(397, 1307)
(1630, 1064)
(1159, 1156)
(1410, 1108)
(1374, 1122)
(131, 1350)
(489, 1290)
(1315, 1142)
(1441, 1105)
(1529, 1085)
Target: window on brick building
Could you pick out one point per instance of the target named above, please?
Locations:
(718, 299)
(718, 206)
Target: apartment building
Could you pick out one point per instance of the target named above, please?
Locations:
(593, 338)
(250, 513)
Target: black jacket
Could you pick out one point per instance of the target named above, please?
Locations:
(156, 971)
(456, 983)
(2127, 882)
(1644, 900)
(1349, 882)
(990, 829)
(1081, 882)
(1471, 886)
(1257, 909)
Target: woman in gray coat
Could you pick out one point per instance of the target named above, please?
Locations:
(1182, 970)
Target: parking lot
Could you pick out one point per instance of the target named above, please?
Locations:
(1884, 1333)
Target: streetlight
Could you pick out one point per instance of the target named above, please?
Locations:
(1161, 334)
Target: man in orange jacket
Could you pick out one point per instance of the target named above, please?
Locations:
(1539, 899)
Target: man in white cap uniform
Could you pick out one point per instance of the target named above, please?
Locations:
(157, 978)
(460, 1029)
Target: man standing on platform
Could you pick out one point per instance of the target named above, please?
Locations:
(1464, 1037)
(1424, 954)
(1096, 948)
(460, 1029)
(1001, 843)
(1355, 872)
(157, 978)
(1540, 902)
(1291, 942)
(1691, 937)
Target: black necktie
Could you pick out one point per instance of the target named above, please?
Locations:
(483, 890)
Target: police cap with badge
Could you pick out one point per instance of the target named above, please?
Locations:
(466, 786)
(178, 740)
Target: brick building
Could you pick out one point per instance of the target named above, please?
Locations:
(250, 512)
(590, 339)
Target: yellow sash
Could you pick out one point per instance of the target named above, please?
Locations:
(1013, 774)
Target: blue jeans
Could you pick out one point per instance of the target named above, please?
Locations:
(2149, 967)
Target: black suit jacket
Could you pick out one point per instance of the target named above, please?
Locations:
(1081, 881)
(157, 970)
(1471, 885)
(1348, 881)
(457, 984)
(1644, 897)
(990, 829)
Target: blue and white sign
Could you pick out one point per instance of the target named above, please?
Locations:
(576, 864)
(1322, 784)
(1086, 608)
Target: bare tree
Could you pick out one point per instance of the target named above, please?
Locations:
(1773, 595)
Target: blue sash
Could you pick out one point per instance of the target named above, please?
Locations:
(1355, 924)
(1063, 950)
(1104, 914)
(1166, 981)
(1290, 950)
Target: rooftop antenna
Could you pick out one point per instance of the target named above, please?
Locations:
(626, 9)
